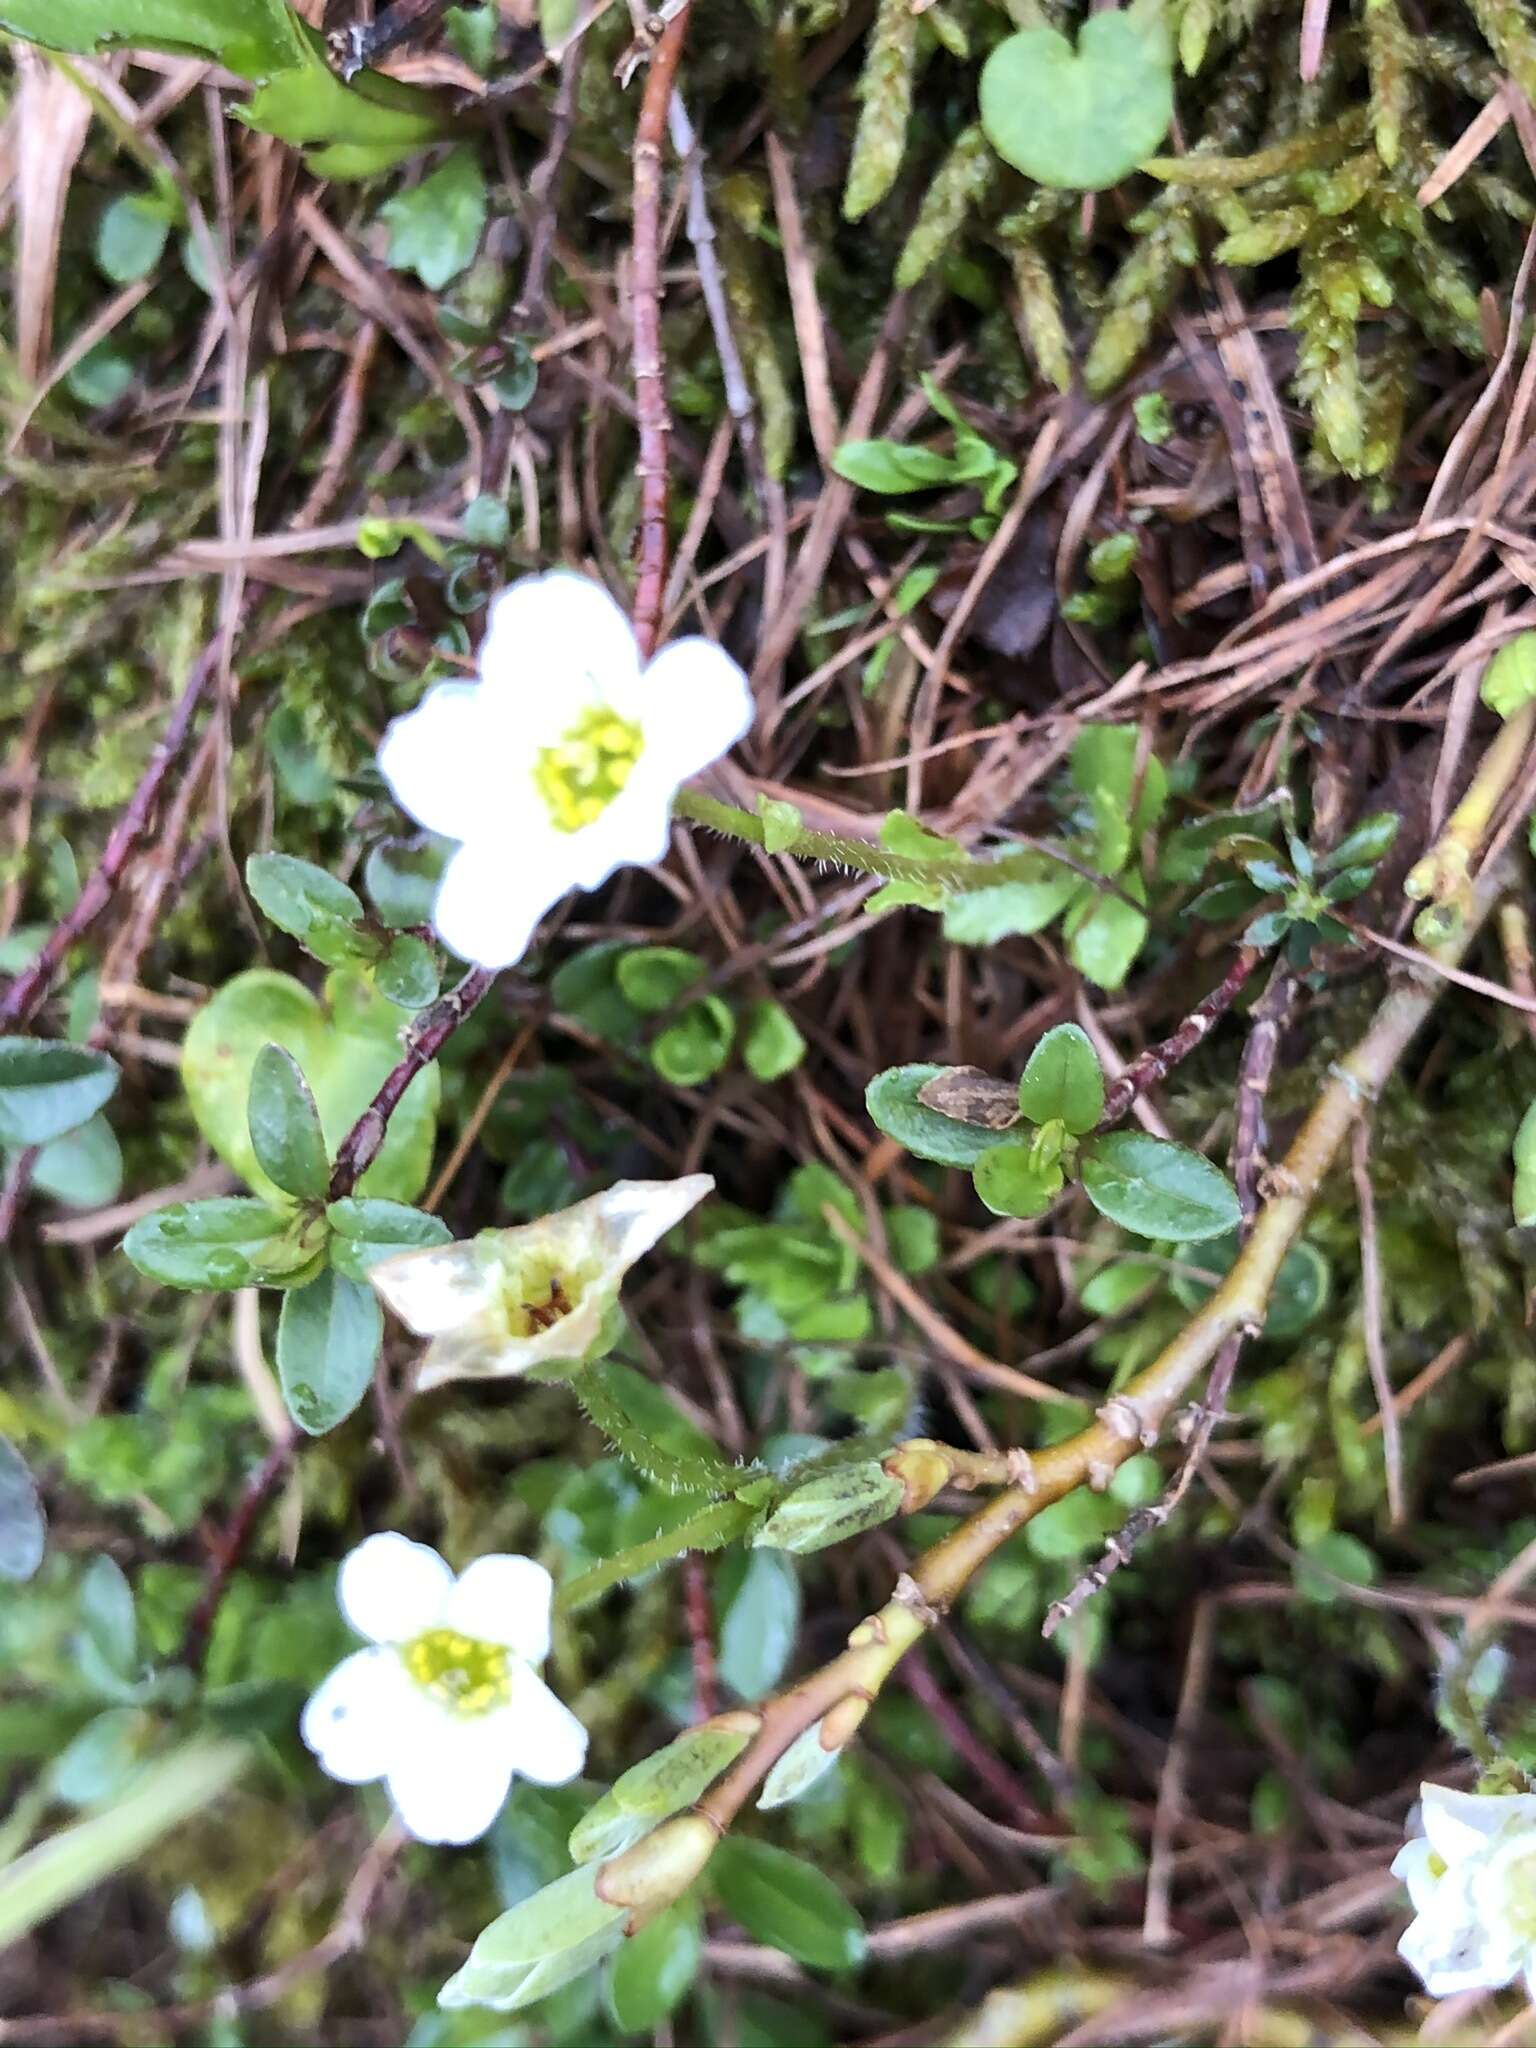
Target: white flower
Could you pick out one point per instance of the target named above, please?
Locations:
(1471, 1876)
(561, 763)
(446, 1704)
(510, 1299)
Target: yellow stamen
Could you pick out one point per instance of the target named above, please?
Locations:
(581, 774)
(463, 1672)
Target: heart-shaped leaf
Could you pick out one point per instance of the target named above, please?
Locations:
(344, 1047)
(1081, 119)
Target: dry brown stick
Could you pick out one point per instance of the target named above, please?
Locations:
(1269, 1017)
(225, 1553)
(652, 418)
(28, 991)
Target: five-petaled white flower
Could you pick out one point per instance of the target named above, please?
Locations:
(1471, 1876)
(560, 764)
(534, 1295)
(446, 1705)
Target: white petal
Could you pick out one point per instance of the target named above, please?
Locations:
(1421, 1869)
(440, 764)
(494, 892)
(550, 1744)
(391, 1589)
(455, 1778)
(635, 1214)
(441, 1287)
(696, 706)
(1460, 1823)
(1451, 1954)
(469, 1354)
(504, 1599)
(556, 643)
(634, 831)
(352, 1720)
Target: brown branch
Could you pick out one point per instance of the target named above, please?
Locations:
(28, 991)
(227, 1550)
(654, 422)
(360, 1147)
(1269, 1015)
(1156, 1063)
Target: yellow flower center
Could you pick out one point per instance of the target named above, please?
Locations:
(463, 1672)
(581, 774)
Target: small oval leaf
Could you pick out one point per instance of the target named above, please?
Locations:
(1157, 1189)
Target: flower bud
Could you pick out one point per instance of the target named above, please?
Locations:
(832, 1506)
(659, 1868)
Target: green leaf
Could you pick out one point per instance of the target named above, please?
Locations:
(23, 1529)
(250, 39)
(47, 1088)
(1104, 933)
(782, 823)
(1298, 1296)
(804, 1764)
(550, 1939)
(228, 1242)
(759, 1622)
(285, 1126)
(327, 1340)
(891, 1100)
(346, 1047)
(1081, 119)
(401, 877)
(913, 1236)
(771, 1043)
(352, 129)
(654, 977)
(1103, 763)
(83, 1168)
(1372, 838)
(64, 1866)
(652, 1790)
(407, 974)
(107, 1616)
(320, 912)
(1013, 1182)
(1010, 909)
(788, 1903)
(1269, 876)
(131, 237)
(697, 1046)
(901, 833)
(435, 228)
(1509, 681)
(367, 1230)
(891, 468)
(586, 987)
(1063, 1079)
(1329, 1557)
(654, 1971)
(1157, 1189)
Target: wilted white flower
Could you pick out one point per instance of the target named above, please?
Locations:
(1471, 1876)
(560, 764)
(446, 1705)
(510, 1299)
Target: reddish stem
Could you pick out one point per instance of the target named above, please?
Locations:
(27, 992)
(360, 1147)
(1155, 1064)
(654, 422)
(226, 1552)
